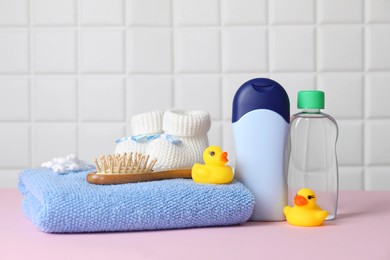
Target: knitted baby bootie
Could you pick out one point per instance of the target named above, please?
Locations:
(183, 141)
(144, 127)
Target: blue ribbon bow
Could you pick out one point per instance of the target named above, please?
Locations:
(144, 138)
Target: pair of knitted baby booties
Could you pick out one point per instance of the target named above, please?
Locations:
(176, 138)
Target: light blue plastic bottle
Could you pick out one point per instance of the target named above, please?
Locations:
(261, 117)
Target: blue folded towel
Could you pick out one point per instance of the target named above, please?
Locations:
(69, 204)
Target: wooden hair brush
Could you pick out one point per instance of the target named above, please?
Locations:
(133, 167)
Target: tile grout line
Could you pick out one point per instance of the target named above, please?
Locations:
(237, 73)
(173, 45)
(316, 47)
(125, 81)
(268, 27)
(31, 82)
(116, 27)
(364, 94)
(221, 58)
(79, 74)
(220, 75)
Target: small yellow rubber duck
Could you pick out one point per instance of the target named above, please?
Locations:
(306, 212)
(214, 171)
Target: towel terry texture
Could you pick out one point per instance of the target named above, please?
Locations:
(69, 204)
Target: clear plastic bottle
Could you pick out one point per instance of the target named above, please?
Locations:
(312, 159)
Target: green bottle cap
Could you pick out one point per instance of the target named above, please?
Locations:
(311, 99)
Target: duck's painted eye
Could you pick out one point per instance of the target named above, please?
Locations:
(311, 197)
(212, 153)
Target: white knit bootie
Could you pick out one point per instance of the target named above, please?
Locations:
(183, 141)
(144, 127)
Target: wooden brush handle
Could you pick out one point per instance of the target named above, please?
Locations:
(94, 178)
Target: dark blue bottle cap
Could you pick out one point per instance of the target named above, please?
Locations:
(261, 93)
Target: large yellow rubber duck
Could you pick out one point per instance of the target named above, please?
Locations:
(306, 212)
(214, 171)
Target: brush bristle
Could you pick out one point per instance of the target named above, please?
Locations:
(131, 163)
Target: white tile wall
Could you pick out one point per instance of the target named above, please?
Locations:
(350, 139)
(189, 90)
(197, 50)
(73, 72)
(378, 11)
(343, 85)
(12, 89)
(102, 12)
(340, 11)
(149, 12)
(15, 145)
(292, 11)
(14, 13)
(378, 51)
(53, 12)
(156, 93)
(376, 178)
(377, 95)
(14, 52)
(244, 12)
(149, 50)
(102, 99)
(102, 51)
(377, 142)
(97, 138)
(240, 55)
(340, 47)
(292, 48)
(196, 12)
(54, 51)
(54, 99)
(52, 140)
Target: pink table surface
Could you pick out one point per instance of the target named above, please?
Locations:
(361, 231)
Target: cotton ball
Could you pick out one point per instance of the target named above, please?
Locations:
(61, 160)
(48, 164)
(58, 168)
(74, 166)
(72, 157)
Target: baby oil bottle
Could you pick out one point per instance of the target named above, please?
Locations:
(312, 159)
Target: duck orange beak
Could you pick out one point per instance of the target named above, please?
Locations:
(224, 157)
(300, 200)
